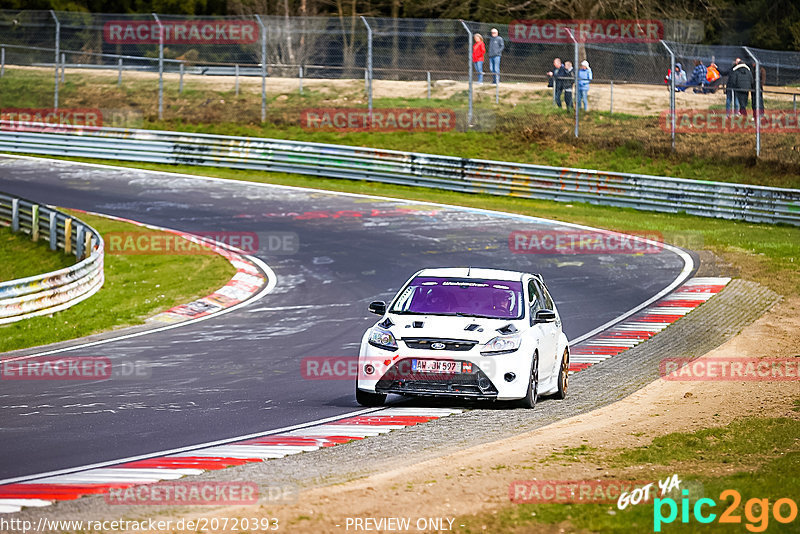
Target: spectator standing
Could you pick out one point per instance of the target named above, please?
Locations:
(496, 46)
(557, 80)
(741, 83)
(478, 53)
(567, 82)
(731, 104)
(584, 79)
(754, 95)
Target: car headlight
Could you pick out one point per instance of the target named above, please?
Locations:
(383, 339)
(502, 345)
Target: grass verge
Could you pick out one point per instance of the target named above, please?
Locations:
(761, 458)
(21, 257)
(768, 254)
(136, 287)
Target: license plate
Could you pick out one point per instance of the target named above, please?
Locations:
(435, 366)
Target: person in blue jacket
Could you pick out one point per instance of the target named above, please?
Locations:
(584, 79)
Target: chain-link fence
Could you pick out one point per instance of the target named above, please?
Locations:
(151, 69)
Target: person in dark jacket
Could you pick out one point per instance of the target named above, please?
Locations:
(763, 76)
(731, 104)
(740, 82)
(557, 76)
(496, 46)
(569, 76)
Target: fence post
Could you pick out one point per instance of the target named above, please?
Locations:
(263, 69)
(575, 67)
(612, 97)
(63, 65)
(53, 231)
(671, 92)
(236, 70)
(757, 104)
(160, 67)
(300, 76)
(55, 61)
(429, 84)
(2, 61)
(469, 69)
(369, 68)
(119, 76)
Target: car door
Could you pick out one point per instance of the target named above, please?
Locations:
(548, 333)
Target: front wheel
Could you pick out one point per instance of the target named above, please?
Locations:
(563, 376)
(365, 398)
(529, 400)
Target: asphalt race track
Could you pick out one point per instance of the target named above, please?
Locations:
(241, 372)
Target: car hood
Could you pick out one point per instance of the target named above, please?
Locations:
(435, 326)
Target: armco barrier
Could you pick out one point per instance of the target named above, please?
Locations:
(670, 195)
(51, 292)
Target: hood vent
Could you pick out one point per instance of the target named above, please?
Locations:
(418, 324)
(472, 327)
(507, 329)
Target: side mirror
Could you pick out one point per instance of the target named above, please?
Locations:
(378, 307)
(544, 316)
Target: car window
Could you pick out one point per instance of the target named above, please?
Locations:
(548, 300)
(535, 296)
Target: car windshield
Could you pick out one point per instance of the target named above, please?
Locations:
(471, 297)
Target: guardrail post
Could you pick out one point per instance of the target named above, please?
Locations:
(263, 69)
(35, 222)
(671, 92)
(469, 69)
(369, 68)
(15, 215)
(160, 67)
(119, 75)
(67, 235)
(758, 103)
(55, 60)
(79, 241)
(53, 231)
(429, 84)
(87, 243)
(2, 61)
(236, 70)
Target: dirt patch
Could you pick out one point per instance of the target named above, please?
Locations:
(477, 480)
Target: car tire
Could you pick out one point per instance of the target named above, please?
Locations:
(529, 400)
(563, 376)
(365, 398)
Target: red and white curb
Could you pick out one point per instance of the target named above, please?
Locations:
(645, 324)
(69, 486)
(247, 281)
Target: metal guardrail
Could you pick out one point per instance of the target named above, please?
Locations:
(51, 292)
(669, 195)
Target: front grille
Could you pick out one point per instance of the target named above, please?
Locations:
(449, 344)
(401, 379)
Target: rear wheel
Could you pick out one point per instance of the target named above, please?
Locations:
(563, 376)
(365, 398)
(529, 400)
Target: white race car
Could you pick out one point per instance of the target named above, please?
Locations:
(467, 333)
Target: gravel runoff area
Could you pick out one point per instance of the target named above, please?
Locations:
(707, 327)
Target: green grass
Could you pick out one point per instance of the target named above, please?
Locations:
(20, 257)
(136, 287)
(769, 254)
(770, 468)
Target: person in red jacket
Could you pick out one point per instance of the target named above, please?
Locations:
(478, 53)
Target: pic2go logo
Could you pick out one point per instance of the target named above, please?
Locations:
(756, 511)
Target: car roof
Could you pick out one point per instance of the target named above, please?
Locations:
(473, 272)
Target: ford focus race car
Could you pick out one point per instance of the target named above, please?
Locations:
(468, 333)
